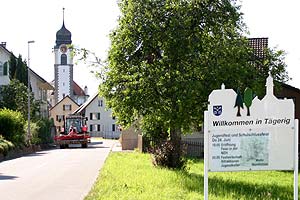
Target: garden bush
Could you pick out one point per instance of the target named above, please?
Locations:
(12, 126)
(44, 132)
(34, 132)
(5, 146)
(163, 155)
(40, 131)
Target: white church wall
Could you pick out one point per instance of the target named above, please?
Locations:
(63, 81)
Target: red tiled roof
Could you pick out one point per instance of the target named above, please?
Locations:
(77, 90)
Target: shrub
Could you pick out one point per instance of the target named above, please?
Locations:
(12, 126)
(34, 132)
(166, 155)
(44, 132)
(5, 146)
(40, 131)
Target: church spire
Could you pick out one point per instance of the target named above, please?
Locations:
(63, 36)
(63, 16)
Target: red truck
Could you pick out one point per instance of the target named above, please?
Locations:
(73, 132)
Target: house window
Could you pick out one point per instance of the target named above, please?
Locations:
(64, 95)
(113, 127)
(40, 94)
(63, 59)
(67, 107)
(60, 118)
(95, 127)
(100, 103)
(94, 116)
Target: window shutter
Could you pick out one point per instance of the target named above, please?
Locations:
(91, 127)
(91, 116)
(5, 69)
(98, 116)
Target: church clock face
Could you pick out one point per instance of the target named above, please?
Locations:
(63, 48)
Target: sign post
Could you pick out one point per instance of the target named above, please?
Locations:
(205, 156)
(243, 134)
(296, 161)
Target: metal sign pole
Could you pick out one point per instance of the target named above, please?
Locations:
(296, 161)
(206, 155)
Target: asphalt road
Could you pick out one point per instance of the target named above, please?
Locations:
(53, 174)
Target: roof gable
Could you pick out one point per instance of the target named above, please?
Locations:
(45, 84)
(86, 104)
(63, 101)
(3, 48)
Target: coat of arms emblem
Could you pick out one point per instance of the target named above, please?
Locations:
(217, 110)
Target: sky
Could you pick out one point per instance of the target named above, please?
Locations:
(91, 21)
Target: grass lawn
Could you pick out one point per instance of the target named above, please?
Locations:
(131, 176)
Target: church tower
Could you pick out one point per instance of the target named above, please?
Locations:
(63, 64)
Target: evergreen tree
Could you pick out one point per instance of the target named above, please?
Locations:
(18, 69)
(15, 97)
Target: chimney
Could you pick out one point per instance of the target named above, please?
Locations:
(3, 44)
(86, 90)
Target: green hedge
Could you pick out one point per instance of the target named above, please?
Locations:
(12, 126)
(5, 146)
(44, 132)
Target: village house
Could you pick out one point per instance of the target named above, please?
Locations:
(62, 109)
(101, 122)
(4, 67)
(39, 86)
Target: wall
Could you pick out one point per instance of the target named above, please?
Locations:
(105, 121)
(4, 57)
(290, 92)
(58, 110)
(63, 75)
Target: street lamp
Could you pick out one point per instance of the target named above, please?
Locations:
(28, 90)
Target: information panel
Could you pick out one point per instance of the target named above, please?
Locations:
(243, 133)
(249, 134)
(243, 149)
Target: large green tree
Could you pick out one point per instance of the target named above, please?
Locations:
(15, 97)
(166, 56)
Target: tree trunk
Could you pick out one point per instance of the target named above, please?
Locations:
(248, 111)
(238, 112)
(175, 136)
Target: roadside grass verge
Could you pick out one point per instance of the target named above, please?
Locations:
(131, 176)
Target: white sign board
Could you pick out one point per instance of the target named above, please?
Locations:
(242, 133)
(257, 135)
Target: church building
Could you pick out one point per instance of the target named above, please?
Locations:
(63, 70)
